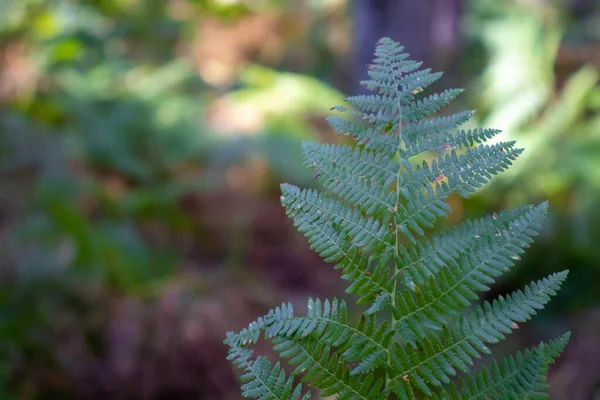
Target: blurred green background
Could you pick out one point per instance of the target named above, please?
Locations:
(142, 144)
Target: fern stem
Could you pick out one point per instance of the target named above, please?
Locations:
(388, 379)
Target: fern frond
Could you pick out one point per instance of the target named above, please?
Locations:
(266, 383)
(437, 357)
(459, 279)
(428, 257)
(433, 128)
(408, 82)
(360, 177)
(260, 380)
(521, 376)
(449, 174)
(444, 142)
(370, 137)
(309, 207)
(461, 173)
(271, 324)
(366, 343)
(371, 278)
(418, 328)
(326, 322)
(323, 368)
(420, 109)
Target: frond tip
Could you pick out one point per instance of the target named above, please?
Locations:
(419, 329)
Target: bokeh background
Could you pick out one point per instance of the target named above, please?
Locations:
(142, 144)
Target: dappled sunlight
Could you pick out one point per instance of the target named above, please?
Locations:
(272, 100)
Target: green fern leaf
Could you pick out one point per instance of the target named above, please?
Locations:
(461, 342)
(418, 329)
(521, 376)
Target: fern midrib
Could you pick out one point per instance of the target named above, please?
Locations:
(388, 379)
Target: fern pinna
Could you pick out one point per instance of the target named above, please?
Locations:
(418, 335)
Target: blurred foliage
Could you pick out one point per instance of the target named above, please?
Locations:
(138, 138)
(104, 134)
(102, 117)
(538, 96)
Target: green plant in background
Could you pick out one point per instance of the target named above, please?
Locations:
(113, 121)
(540, 99)
(118, 106)
(266, 91)
(102, 144)
(102, 139)
(518, 93)
(260, 122)
(117, 113)
(421, 288)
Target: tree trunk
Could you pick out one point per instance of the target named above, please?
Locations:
(426, 28)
